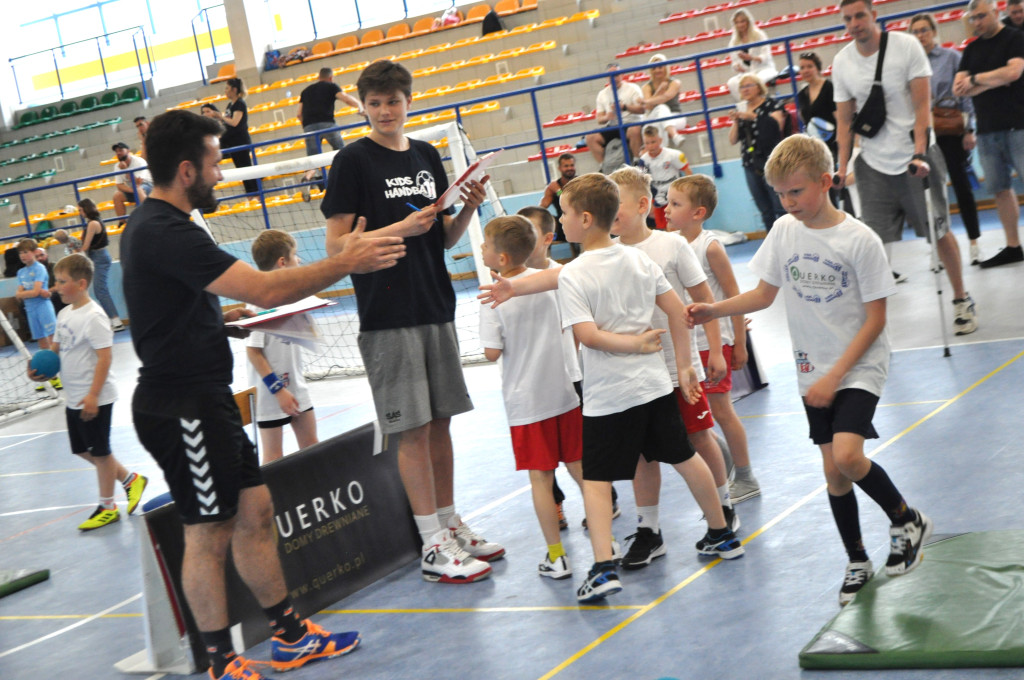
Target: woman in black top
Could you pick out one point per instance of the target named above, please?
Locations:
(94, 244)
(817, 101)
(759, 130)
(235, 119)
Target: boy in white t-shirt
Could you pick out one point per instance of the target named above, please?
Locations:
(691, 201)
(682, 270)
(543, 408)
(664, 165)
(835, 277)
(275, 365)
(85, 342)
(608, 296)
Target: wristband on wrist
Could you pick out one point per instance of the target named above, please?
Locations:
(917, 157)
(974, 79)
(273, 383)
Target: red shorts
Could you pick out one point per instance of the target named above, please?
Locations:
(696, 417)
(659, 217)
(724, 385)
(542, 445)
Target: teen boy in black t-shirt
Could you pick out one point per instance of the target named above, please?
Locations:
(406, 315)
(183, 410)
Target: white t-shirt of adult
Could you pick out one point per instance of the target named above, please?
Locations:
(700, 249)
(572, 360)
(826, 276)
(891, 150)
(615, 287)
(629, 93)
(664, 169)
(136, 163)
(534, 381)
(678, 263)
(80, 332)
(286, 360)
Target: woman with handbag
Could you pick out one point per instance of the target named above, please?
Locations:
(758, 129)
(950, 116)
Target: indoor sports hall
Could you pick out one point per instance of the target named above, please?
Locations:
(947, 420)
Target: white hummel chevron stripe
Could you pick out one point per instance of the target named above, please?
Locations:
(197, 455)
(200, 471)
(202, 479)
(202, 486)
(189, 425)
(211, 511)
(208, 499)
(192, 441)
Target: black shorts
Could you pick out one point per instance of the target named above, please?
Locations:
(90, 436)
(609, 135)
(200, 444)
(851, 411)
(612, 444)
(277, 422)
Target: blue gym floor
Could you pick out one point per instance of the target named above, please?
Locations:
(949, 438)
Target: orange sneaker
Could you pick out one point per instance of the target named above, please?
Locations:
(239, 669)
(317, 643)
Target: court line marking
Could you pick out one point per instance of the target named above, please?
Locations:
(771, 523)
(54, 507)
(51, 617)
(23, 441)
(77, 624)
(487, 610)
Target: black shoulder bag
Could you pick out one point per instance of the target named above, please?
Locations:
(871, 117)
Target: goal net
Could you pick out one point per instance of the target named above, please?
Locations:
(235, 224)
(18, 394)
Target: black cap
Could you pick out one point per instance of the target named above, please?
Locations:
(119, 145)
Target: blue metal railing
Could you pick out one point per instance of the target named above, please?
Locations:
(204, 18)
(541, 141)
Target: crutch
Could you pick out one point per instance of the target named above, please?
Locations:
(912, 169)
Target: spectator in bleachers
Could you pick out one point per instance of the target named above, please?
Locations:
(566, 171)
(235, 120)
(94, 244)
(957, 140)
(1014, 14)
(631, 102)
(129, 187)
(661, 100)
(316, 112)
(817, 108)
(758, 129)
(757, 60)
(141, 125)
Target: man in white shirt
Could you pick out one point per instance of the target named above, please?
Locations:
(130, 187)
(893, 163)
(631, 103)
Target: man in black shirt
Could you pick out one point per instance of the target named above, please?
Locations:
(990, 71)
(316, 112)
(183, 410)
(1014, 14)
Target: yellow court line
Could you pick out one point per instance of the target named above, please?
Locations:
(486, 610)
(801, 413)
(771, 523)
(52, 617)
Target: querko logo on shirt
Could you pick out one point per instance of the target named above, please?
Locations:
(403, 187)
(817, 279)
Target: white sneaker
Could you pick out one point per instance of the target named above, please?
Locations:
(477, 546)
(744, 489)
(965, 319)
(445, 562)
(856, 577)
(557, 570)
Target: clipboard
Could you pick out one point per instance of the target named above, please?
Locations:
(473, 173)
(289, 322)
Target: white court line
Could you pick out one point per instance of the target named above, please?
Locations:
(494, 504)
(26, 434)
(55, 507)
(71, 627)
(24, 441)
(156, 676)
(959, 344)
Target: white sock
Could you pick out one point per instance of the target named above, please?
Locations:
(723, 495)
(428, 526)
(445, 515)
(647, 517)
(116, 320)
(108, 503)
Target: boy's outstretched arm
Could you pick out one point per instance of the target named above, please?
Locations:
(718, 260)
(593, 337)
(754, 300)
(674, 308)
(503, 290)
(823, 391)
(716, 359)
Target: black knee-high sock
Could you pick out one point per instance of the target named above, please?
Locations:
(876, 483)
(285, 621)
(844, 510)
(557, 491)
(218, 648)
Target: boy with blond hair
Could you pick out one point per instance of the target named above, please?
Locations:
(542, 406)
(691, 201)
(664, 165)
(682, 270)
(85, 342)
(275, 365)
(835, 277)
(608, 296)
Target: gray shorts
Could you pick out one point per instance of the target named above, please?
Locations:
(887, 201)
(415, 375)
(1001, 152)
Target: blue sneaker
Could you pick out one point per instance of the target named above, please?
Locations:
(317, 643)
(726, 546)
(601, 582)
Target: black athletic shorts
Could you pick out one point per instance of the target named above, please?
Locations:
(851, 411)
(90, 436)
(612, 444)
(277, 422)
(199, 442)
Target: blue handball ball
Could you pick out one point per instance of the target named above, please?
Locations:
(46, 363)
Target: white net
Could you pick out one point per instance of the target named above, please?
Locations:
(18, 394)
(234, 226)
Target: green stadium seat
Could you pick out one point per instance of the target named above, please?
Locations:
(48, 113)
(89, 103)
(132, 94)
(27, 118)
(43, 225)
(68, 108)
(107, 100)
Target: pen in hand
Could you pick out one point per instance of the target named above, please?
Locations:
(412, 206)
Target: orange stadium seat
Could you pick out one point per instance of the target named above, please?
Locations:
(225, 72)
(398, 32)
(477, 12)
(505, 7)
(320, 50)
(424, 25)
(372, 37)
(346, 43)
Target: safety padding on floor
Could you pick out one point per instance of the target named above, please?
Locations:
(960, 609)
(13, 580)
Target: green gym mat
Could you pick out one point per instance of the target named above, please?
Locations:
(961, 608)
(13, 580)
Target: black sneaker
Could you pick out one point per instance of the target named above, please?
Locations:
(899, 278)
(857, 576)
(601, 582)
(726, 546)
(1007, 255)
(905, 543)
(645, 548)
(732, 520)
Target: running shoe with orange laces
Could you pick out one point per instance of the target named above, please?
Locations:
(317, 643)
(239, 669)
